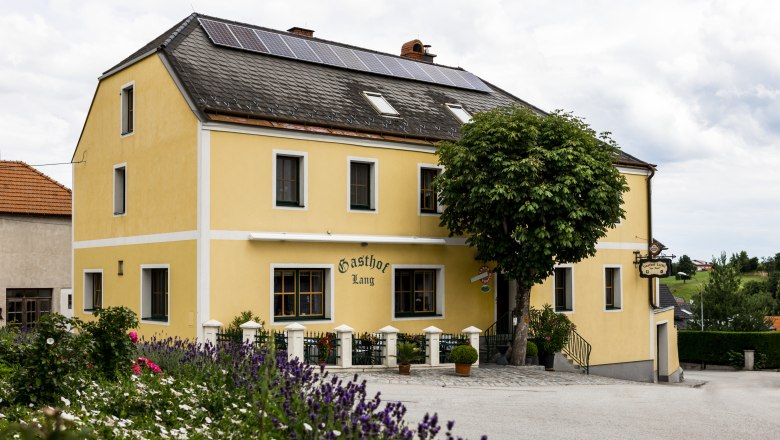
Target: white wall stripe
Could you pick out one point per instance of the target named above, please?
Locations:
(136, 239)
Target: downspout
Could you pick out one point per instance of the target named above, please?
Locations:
(650, 281)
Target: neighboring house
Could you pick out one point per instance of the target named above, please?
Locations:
(35, 244)
(702, 266)
(682, 311)
(775, 325)
(232, 167)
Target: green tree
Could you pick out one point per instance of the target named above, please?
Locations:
(529, 191)
(685, 264)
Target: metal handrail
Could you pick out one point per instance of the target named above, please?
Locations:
(578, 350)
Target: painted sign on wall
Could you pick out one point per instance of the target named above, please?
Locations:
(365, 262)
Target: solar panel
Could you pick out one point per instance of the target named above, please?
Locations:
(248, 39)
(219, 33)
(372, 62)
(291, 46)
(325, 53)
(349, 58)
(274, 43)
(301, 49)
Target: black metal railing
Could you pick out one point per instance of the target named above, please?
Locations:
(418, 339)
(499, 336)
(447, 342)
(578, 350)
(367, 349)
(320, 348)
(229, 337)
(263, 338)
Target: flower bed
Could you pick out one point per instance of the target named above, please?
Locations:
(178, 389)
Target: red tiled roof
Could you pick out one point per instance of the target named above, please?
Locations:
(25, 190)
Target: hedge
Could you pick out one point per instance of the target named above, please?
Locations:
(712, 347)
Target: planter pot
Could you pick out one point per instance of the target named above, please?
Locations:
(532, 360)
(463, 370)
(404, 369)
(548, 360)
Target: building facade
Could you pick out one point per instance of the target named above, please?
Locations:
(35, 245)
(232, 167)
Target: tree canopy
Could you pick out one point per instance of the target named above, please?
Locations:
(530, 191)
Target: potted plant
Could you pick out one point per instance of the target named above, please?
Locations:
(406, 353)
(551, 332)
(324, 345)
(531, 353)
(464, 356)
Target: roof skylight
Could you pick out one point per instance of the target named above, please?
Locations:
(380, 104)
(459, 112)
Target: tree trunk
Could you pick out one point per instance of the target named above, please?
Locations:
(522, 301)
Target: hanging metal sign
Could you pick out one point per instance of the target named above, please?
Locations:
(655, 268)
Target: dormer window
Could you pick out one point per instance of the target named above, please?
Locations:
(459, 112)
(380, 104)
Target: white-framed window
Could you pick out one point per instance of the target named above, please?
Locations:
(120, 189)
(362, 184)
(93, 289)
(417, 292)
(302, 292)
(428, 198)
(563, 288)
(155, 293)
(613, 287)
(459, 112)
(127, 110)
(290, 179)
(380, 104)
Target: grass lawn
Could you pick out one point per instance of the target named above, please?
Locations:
(690, 288)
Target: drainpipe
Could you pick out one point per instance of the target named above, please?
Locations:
(650, 281)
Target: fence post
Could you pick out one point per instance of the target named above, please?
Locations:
(210, 330)
(390, 349)
(749, 360)
(344, 333)
(249, 331)
(473, 334)
(432, 334)
(295, 341)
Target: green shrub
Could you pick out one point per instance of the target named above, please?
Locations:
(551, 330)
(408, 352)
(531, 349)
(714, 347)
(464, 354)
(241, 318)
(112, 350)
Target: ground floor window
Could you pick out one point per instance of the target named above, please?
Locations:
(612, 288)
(563, 289)
(299, 293)
(415, 292)
(154, 294)
(25, 306)
(93, 290)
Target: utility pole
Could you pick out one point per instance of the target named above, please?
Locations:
(701, 300)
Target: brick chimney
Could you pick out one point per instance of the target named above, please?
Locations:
(301, 31)
(416, 50)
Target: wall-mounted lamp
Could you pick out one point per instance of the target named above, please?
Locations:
(120, 267)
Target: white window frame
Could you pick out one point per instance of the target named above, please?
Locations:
(329, 295)
(618, 287)
(303, 177)
(87, 306)
(440, 291)
(569, 287)
(124, 190)
(374, 178)
(439, 206)
(458, 112)
(146, 293)
(123, 109)
(381, 104)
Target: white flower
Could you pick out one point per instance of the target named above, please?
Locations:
(50, 341)
(67, 417)
(307, 426)
(208, 420)
(242, 410)
(336, 432)
(65, 401)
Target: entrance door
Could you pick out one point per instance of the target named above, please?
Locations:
(25, 306)
(662, 352)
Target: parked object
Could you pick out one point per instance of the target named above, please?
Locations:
(464, 356)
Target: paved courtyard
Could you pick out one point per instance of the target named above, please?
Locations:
(521, 402)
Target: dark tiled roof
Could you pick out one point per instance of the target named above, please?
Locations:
(25, 190)
(665, 297)
(236, 83)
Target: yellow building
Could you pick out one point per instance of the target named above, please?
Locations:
(226, 167)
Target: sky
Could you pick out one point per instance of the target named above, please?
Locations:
(692, 86)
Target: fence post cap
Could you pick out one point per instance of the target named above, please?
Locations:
(471, 329)
(212, 323)
(388, 329)
(344, 328)
(251, 325)
(295, 326)
(433, 329)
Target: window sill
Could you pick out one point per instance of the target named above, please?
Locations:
(156, 320)
(416, 315)
(298, 318)
(613, 309)
(288, 205)
(91, 310)
(563, 310)
(361, 208)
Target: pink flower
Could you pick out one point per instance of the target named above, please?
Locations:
(137, 370)
(133, 337)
